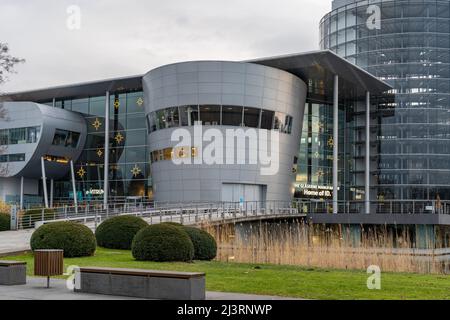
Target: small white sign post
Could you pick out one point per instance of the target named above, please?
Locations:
(13, 214)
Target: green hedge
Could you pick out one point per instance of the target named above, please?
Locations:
(118, 232)
(162, 242)
(5, 222)
(31, 216)
(75, 239)
(205, 246)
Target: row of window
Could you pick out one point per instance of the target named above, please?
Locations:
(65, 138)
(51, 158)
(219, 115)
(173, 153)
(20, 135)
(16, 157)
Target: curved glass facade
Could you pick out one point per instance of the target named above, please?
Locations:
(129, 168)
(409, 48)
(219, 115)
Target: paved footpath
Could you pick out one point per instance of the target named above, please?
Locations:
(35, 289)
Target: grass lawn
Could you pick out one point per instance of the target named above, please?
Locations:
(288, 281)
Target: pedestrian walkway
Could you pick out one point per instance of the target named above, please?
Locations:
(35, 289)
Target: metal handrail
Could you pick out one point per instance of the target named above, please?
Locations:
(161, 211)
(312, 206)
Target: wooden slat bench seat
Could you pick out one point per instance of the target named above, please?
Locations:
(13, 273)
(149, 284)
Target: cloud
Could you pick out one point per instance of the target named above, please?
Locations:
(120, 38)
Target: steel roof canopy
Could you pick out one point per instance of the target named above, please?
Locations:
(318, 67)
(322, 66)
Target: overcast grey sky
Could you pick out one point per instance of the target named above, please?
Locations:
(129, 37)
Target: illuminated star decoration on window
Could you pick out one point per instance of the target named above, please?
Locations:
(136, 170)
(97, 124)
(140, 102)
(316, 155)
(330, 142)
(81, 172)
(99, 152)
(119, 138)
(116, 104)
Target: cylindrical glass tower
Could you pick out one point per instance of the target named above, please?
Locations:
(407, 44)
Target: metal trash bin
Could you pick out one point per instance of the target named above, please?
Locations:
(48, 263)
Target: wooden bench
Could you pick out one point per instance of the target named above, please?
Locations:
(148, 284)
(13, 273)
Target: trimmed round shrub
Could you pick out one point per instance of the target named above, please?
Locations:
(31, 216)
(75, 239)
(162, 242)
(205, 246)
(175, 224)
(5, 222)
(118, 232)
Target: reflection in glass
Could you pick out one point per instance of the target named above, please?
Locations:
(251, 117)
(172, 117)
(210, 115)
(267, 119)
(232, 116)
(188, 115)
(278, 123)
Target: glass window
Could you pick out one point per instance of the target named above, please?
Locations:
(267, 119)
(4, 137)
(135, 155)
(135, 121)
(168, 153)
(66, 138)
(172, 117)
(210, 115)
(60, 137)
(161, 122)
(117, 104)
(151, 122)
(232, 116)
(33, 134)
(80, 105)
(18, 136)
(251, 117)
(72, 139)
(97, 106)
(136, 138)
(135, 102)
(188, 115)
(288, 125)
(18, 157)
(279, 120)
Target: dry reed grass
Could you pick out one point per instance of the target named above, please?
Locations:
(300, 244)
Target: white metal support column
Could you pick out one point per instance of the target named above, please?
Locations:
(74, 188)
(367, 166)
(44, 182)
(335, 144)
(106, 163)
(51, 192)
(21, 192)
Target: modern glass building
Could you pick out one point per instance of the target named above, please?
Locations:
(405, 43)
(127, 149)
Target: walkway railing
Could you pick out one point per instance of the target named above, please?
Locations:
(311, 206)
(192, 212)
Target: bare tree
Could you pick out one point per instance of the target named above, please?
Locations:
(7, 63)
